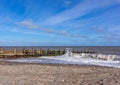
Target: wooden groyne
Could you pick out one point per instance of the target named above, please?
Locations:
(29, 52)
(87, 52)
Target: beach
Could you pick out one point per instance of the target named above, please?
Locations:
(57, 74)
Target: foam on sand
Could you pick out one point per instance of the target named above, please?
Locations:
(69, 60)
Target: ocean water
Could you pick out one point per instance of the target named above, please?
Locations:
(112, 50)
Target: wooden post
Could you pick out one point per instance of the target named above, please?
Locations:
(39, 52)
(23, 52)
(15, 52)
(1, 52)
(33, 52)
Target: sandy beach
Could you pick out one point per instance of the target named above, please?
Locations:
(51, 74)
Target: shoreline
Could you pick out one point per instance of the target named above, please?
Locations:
(52, 64)
(62, 60)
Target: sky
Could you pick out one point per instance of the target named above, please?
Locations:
(60, 22)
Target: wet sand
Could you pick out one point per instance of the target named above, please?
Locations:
(50, 74)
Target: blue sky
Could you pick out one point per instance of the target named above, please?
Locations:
(60, 22)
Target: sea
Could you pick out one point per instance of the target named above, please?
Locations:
(112, 50)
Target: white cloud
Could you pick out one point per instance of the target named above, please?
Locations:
(63, 33)
(99, 29)
(26, 32)
(67, 3)
(48, 30)
(27, 23)
(30, 24)
(79, 10)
